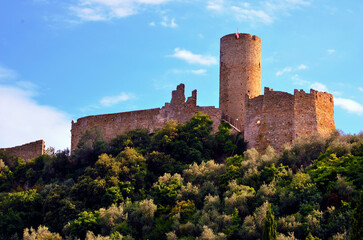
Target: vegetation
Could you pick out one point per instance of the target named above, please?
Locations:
(184, 182)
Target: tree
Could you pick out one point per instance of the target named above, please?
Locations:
(269, 227)
(357, 221)
(19, 210)
(42, 234)
(89, 147)
(137, 138)
(86, 221)
(133, 167)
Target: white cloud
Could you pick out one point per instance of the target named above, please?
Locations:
(152, 24)
(199, 71)
(216, 5)
(193, 58)
(360, 89)
(251, 15)
(166, 23)
(88, 14)
(290, 69)
(298, 81)
(6, 73)
(265, 12)
(103, 10)
(331, 51)
(112, 100)
(302, 67)
(349, 105)
(285, 70)
(196, 72)
(319, 86)
(23, 120)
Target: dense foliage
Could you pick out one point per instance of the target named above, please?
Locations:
(165, 186)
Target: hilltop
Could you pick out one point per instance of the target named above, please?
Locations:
(184, 183)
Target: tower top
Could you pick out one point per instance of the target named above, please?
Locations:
(242, 36)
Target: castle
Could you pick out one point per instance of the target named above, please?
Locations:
(274, 118)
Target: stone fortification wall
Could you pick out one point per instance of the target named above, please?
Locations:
(305, 114)
(276, 118)
(113, 124)
(240, 74)
(270, 119)
(27, 151)
(324, 111)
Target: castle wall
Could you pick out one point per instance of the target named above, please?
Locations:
(304, 114)
(114, 124)
(324, 112)
(240, 74)
(253, 121)
(278, 112)
(277, 118)
(27, 151)
(111, 125)
(270, 120)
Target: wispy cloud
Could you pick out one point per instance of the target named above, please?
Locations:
(103, 10)
(24, 120)
(265, 12)
(360, 89)
(168, 23)
(216, 5)
(192, 58)
(6, 73)
(319, 86)
(331, 51)
(285, 70)
(199, 71)
(113, 100)
(195, 72)
(298, 81)
(302, 67)
(349, 105)
(290, 69)
(251, 15)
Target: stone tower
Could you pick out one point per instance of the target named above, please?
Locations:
(240, 74)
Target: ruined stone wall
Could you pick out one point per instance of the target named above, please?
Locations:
(111, 125)
(277, 118)
(27, 151)
(240, 74)
(253, 121)
(324, 112)
(114, 124)
(269, 120)
(304, 114)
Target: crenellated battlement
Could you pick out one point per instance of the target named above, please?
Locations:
(277, 118)
(242, 37)
(274, 118)
(116, 123)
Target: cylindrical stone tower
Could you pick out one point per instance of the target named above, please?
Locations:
(240, 74)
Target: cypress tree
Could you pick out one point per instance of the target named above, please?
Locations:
(269, 227)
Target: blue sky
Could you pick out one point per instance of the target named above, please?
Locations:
(62, 60)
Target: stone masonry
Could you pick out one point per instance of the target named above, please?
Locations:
(240, 74)
(27, 151)
(116, 123)
(274, 119)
